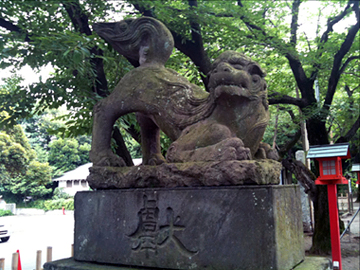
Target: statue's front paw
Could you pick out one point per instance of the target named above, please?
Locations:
(233, 149)
(156, 159)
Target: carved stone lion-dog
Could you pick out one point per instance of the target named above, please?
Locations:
(226, 124)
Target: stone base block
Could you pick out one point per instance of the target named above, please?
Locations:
(188, 174)
(243, 227)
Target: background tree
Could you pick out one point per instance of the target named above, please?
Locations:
(67, 154)
(20, 174)
(271, 32)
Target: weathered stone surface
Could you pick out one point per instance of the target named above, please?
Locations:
(71, 264)
(314, 263)
(226, 123)
(191, 174)
(245, 227)
(310, 263)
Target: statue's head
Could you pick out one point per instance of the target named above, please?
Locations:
(238, 74)
(142, 39)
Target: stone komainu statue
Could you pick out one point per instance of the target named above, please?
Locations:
(226, 124)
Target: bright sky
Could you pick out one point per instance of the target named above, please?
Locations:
(29, 75)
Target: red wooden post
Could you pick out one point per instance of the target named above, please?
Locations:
(334, 226)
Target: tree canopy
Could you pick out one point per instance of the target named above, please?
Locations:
(21, 175)
(303, 46)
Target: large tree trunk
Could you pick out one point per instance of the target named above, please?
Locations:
(317, 135)
(321, 237)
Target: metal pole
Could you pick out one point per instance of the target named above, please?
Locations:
(350, 223)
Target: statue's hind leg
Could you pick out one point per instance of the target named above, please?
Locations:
(150, 140)
(105, 115)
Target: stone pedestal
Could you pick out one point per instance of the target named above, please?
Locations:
(305, 202)
(243, 227)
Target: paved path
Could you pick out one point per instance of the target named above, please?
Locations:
(37, 231)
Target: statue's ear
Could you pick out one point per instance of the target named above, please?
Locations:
(255, 69)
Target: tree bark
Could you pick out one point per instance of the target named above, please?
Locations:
(321, 243)
(121, 149)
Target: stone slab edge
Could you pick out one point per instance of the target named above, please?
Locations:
(310, 263)
(71, 264)
(195, 174)
(314, 263)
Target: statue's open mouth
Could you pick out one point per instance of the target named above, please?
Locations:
(231, 90)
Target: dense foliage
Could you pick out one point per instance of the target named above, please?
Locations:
(21, 175)
(30, 159)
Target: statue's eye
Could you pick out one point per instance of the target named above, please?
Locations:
(256, 78)
(237, 66)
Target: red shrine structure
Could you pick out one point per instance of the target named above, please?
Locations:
(329, 158)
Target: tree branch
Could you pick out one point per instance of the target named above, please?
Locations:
(77, 16)
(343, 67)
(332, 21)
(277, 98)
(290, 144)
(290, 112)
(81, 24)
(121, 149)
(344, 49)
(200, 58)
(351, 133)
(193, 48)
(302, 174)
(294, 22)
(143, 10)
(14, 28)
(325, 36)
(302, 81)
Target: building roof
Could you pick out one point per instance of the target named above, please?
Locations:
(330, 150)
(355, 167)
(80, 173)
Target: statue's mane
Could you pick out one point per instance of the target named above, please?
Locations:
(127, 36)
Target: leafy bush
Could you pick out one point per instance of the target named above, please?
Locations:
(5, 213)
(68, 204)
(38, 204)
(60, 194)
